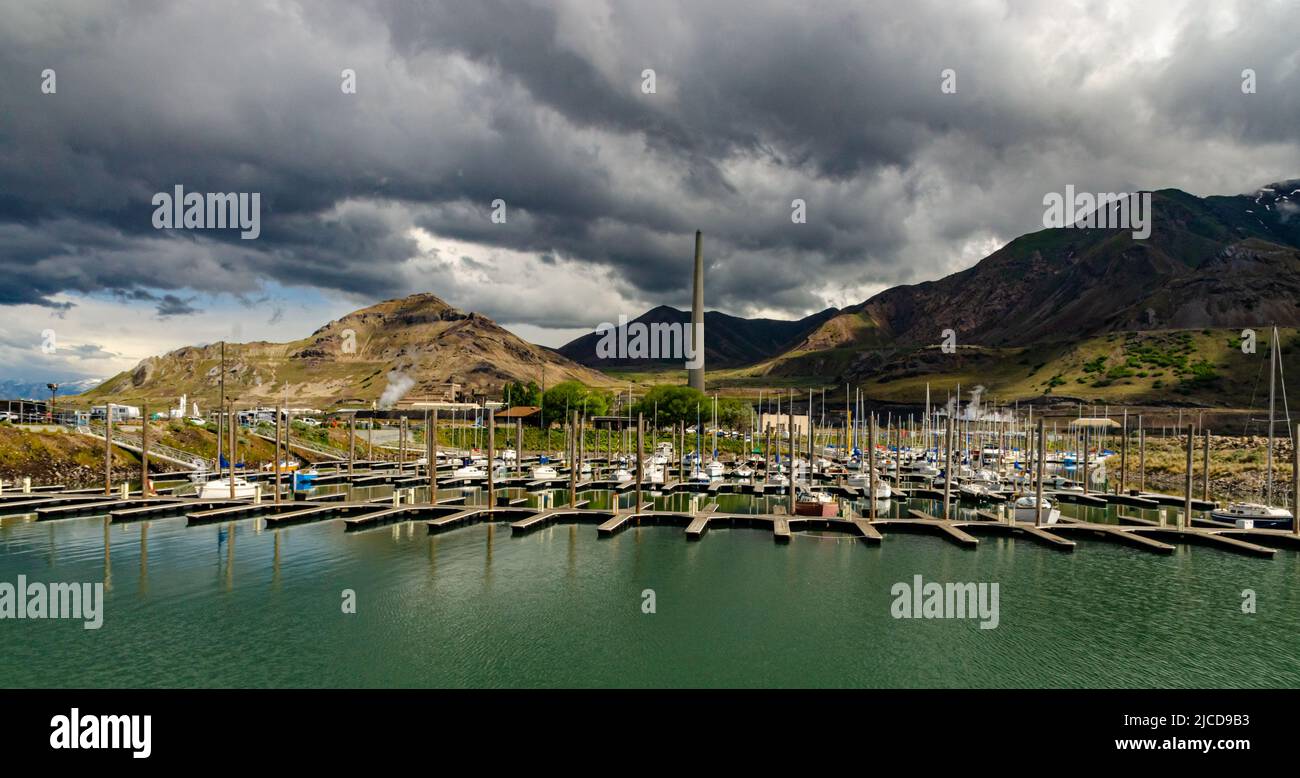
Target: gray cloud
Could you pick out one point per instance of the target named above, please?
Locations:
(170, 305)
(540, 104)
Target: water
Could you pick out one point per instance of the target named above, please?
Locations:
(229, 605)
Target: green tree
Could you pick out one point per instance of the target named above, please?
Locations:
(517, 393)
(675, 404)
(735, 414)
(570, 396)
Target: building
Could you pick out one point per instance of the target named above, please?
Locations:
(530, 415)
(119, 412)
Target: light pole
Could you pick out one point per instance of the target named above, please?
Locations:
(54, 391)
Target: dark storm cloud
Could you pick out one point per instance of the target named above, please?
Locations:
(170, 305)
(539, 104)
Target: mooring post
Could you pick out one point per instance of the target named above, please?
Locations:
(491, 457)
(1142, 457)
(401, 446)
(1038, 491)
(277, 455)
(433, 459)
(519, 444)
(1187, 487)
(1295, 482)
(1205, 469)
(108, 448)
(767, 456)
(947, 470)
(144, 449)
(352, 442)
(789, 428)
(871, 465)
(1085, 457)
(640, 463)
(231, 416)
(1123, 455)
(573, 466)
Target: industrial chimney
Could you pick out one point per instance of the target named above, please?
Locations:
(696, 374)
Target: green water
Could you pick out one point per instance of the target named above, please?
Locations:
(229, 605)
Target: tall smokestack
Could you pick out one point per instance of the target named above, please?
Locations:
(696, 374)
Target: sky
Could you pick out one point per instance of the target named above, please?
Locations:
(919, 136)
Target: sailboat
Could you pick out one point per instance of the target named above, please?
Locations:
(1253, 515)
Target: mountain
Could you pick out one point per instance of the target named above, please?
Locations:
(29, 390)
(406, 346)
(1209, 263)
(729, 341)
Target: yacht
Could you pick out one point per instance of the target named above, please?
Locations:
(744, 473)
(883, 492)
(1025, 510)
(1252, 515)
(470, 471)
(220, 489)
(543, 472)
(622, 475)
(926, 470)
(716, 470)
(808, 503)
(976, 489)
(304, 480)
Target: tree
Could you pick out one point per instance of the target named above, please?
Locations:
(675, 404)
(570, 396)
(523, 394)
(734, 414)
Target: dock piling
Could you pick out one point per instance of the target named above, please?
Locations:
(1042, 448)
(144, 449)
(640, 461)
(1187, 487)
(108, 448)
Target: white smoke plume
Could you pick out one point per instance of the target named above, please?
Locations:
(973, 407)
(398, 385)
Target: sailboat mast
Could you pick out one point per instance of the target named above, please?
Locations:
(1272, 392)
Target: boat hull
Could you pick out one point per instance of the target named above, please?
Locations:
(817, 508)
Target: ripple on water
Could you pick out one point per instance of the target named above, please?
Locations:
(227, 605)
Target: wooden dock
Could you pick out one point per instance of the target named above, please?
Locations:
(450, 513)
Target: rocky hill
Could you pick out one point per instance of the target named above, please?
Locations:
(410, 345)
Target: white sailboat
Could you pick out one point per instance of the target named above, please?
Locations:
(1025, 510)
(220, 489)
(1251, 515)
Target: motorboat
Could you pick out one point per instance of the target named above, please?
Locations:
(286, 466)
(808, 503)
(861, 480)
(622, 475)
(778, 480)
(305, 480)
(1253, 515)
(716, 470)
(220, 489)
(543, 472)
(979, 491)
(1025, 509)
(470, 471)
(509, 455)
